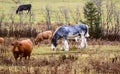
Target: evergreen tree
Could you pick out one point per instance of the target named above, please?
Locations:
(92, 18)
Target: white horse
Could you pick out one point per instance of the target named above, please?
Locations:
(68, 32)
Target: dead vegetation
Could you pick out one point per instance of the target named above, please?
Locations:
(64, 64)
(75, 63)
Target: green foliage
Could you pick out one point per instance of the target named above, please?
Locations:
(93, 19)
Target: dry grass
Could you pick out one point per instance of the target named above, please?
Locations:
(100, 57)
(94, 59)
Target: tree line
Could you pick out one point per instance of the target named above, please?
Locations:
(102, 18)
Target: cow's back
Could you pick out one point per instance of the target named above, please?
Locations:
(27, 45)
(47, 34)
(1, 40)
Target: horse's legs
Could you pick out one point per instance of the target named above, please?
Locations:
(77, 39)
(66, 46)
(86, 42)
(83, 41)
(62, 45)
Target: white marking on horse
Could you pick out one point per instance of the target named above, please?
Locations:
(66, 46)
(83, 42)
(53, 47)
(75, 37)
(56, 30)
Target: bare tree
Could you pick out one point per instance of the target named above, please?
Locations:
(116, 17)
(12, 25)
(76, 15)
(48, 17)
(1, 20)
(109, 14)
(64, 11)
(58, 16)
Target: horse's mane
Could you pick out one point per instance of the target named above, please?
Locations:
(56, 30)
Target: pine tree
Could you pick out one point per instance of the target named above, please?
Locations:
(92, 18)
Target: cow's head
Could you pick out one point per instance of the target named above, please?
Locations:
(36, 41)
(16, 46)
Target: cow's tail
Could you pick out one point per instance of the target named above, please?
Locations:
(16, 11)
(30, 6)
(87, 31)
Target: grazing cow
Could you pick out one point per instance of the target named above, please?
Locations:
(42, 36)
(2, 40)
(2, 44)
(22, 49)
(24, 7)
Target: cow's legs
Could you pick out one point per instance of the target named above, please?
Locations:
(29, 11)
(28, 57)
(16, 57)
(21, 56)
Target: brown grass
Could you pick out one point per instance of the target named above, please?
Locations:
(88, 61)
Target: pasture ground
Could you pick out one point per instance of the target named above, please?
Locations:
(99, 57)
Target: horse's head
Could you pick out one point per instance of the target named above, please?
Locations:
(55, 37)
(54, 44)
(84, 29)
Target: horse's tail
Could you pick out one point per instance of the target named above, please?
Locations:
(87, 31)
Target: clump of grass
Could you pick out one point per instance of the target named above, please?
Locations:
(73, 48)
(109, 66)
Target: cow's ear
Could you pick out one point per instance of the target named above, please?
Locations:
(20, 44)
(12, 44)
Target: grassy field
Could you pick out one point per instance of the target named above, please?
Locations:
(8, 8)
(96, 58)
(43, 61)
(38, 8)
(43, 49)
(99, 57)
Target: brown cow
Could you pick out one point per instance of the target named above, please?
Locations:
(2, 43)
(22, 49)
(2, 40)
(43, 35)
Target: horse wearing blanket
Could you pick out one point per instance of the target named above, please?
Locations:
(68, 32)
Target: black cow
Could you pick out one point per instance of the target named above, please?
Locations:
(24, 7)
